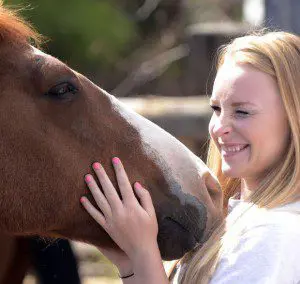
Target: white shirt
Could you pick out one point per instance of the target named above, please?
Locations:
(262, 245)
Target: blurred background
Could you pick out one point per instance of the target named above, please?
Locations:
(157, 56)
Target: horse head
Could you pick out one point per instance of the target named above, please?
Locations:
(54, 123)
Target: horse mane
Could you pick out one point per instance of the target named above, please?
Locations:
(16, 30)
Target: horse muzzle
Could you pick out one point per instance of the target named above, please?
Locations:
(180, 230)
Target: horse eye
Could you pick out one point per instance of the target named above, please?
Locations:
(62, 91)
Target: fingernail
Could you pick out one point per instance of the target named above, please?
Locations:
(116, 160)
(88, 178)
(138, 185)
(96, 166)
(82, 199)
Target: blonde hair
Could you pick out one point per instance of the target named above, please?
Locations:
(278, 55)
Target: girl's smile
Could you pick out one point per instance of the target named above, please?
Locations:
(232, 150)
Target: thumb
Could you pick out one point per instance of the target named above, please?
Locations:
(145, 198)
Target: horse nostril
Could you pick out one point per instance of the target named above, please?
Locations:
(174, 239)
(174, 222)
(181, 227)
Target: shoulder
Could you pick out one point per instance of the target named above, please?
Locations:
(285, 219)
(246, 216)
(265, 228)
(260, 245)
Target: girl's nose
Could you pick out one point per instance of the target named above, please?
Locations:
(222, 126)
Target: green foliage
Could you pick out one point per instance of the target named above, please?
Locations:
(86, 34)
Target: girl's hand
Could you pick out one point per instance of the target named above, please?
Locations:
(130, 222)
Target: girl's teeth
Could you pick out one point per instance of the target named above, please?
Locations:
(233, 148)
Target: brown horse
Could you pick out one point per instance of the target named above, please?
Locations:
(54, 123)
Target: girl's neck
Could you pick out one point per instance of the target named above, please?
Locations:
(247, 188)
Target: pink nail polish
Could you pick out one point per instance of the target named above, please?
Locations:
(116, 160)
(96, 166)
(82, 199)
(138, 185)
(88, 178)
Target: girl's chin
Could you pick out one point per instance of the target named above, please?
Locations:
(232, 172)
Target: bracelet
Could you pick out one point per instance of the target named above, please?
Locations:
(126, 276)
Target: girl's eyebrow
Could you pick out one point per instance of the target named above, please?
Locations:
(234, 104)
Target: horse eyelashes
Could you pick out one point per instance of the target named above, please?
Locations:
(62, 91)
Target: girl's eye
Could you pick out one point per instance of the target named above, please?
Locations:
(242, 113)
(215, 108)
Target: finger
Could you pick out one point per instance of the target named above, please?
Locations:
(109, 191)
(98, 216)
(98, 195)
(145, 199)
(123, 181)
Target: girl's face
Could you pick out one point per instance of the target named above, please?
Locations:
(249, 124)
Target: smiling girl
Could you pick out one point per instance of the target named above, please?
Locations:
(254, 152)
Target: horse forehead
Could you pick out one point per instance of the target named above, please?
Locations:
(39, 55)
(37, 51)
